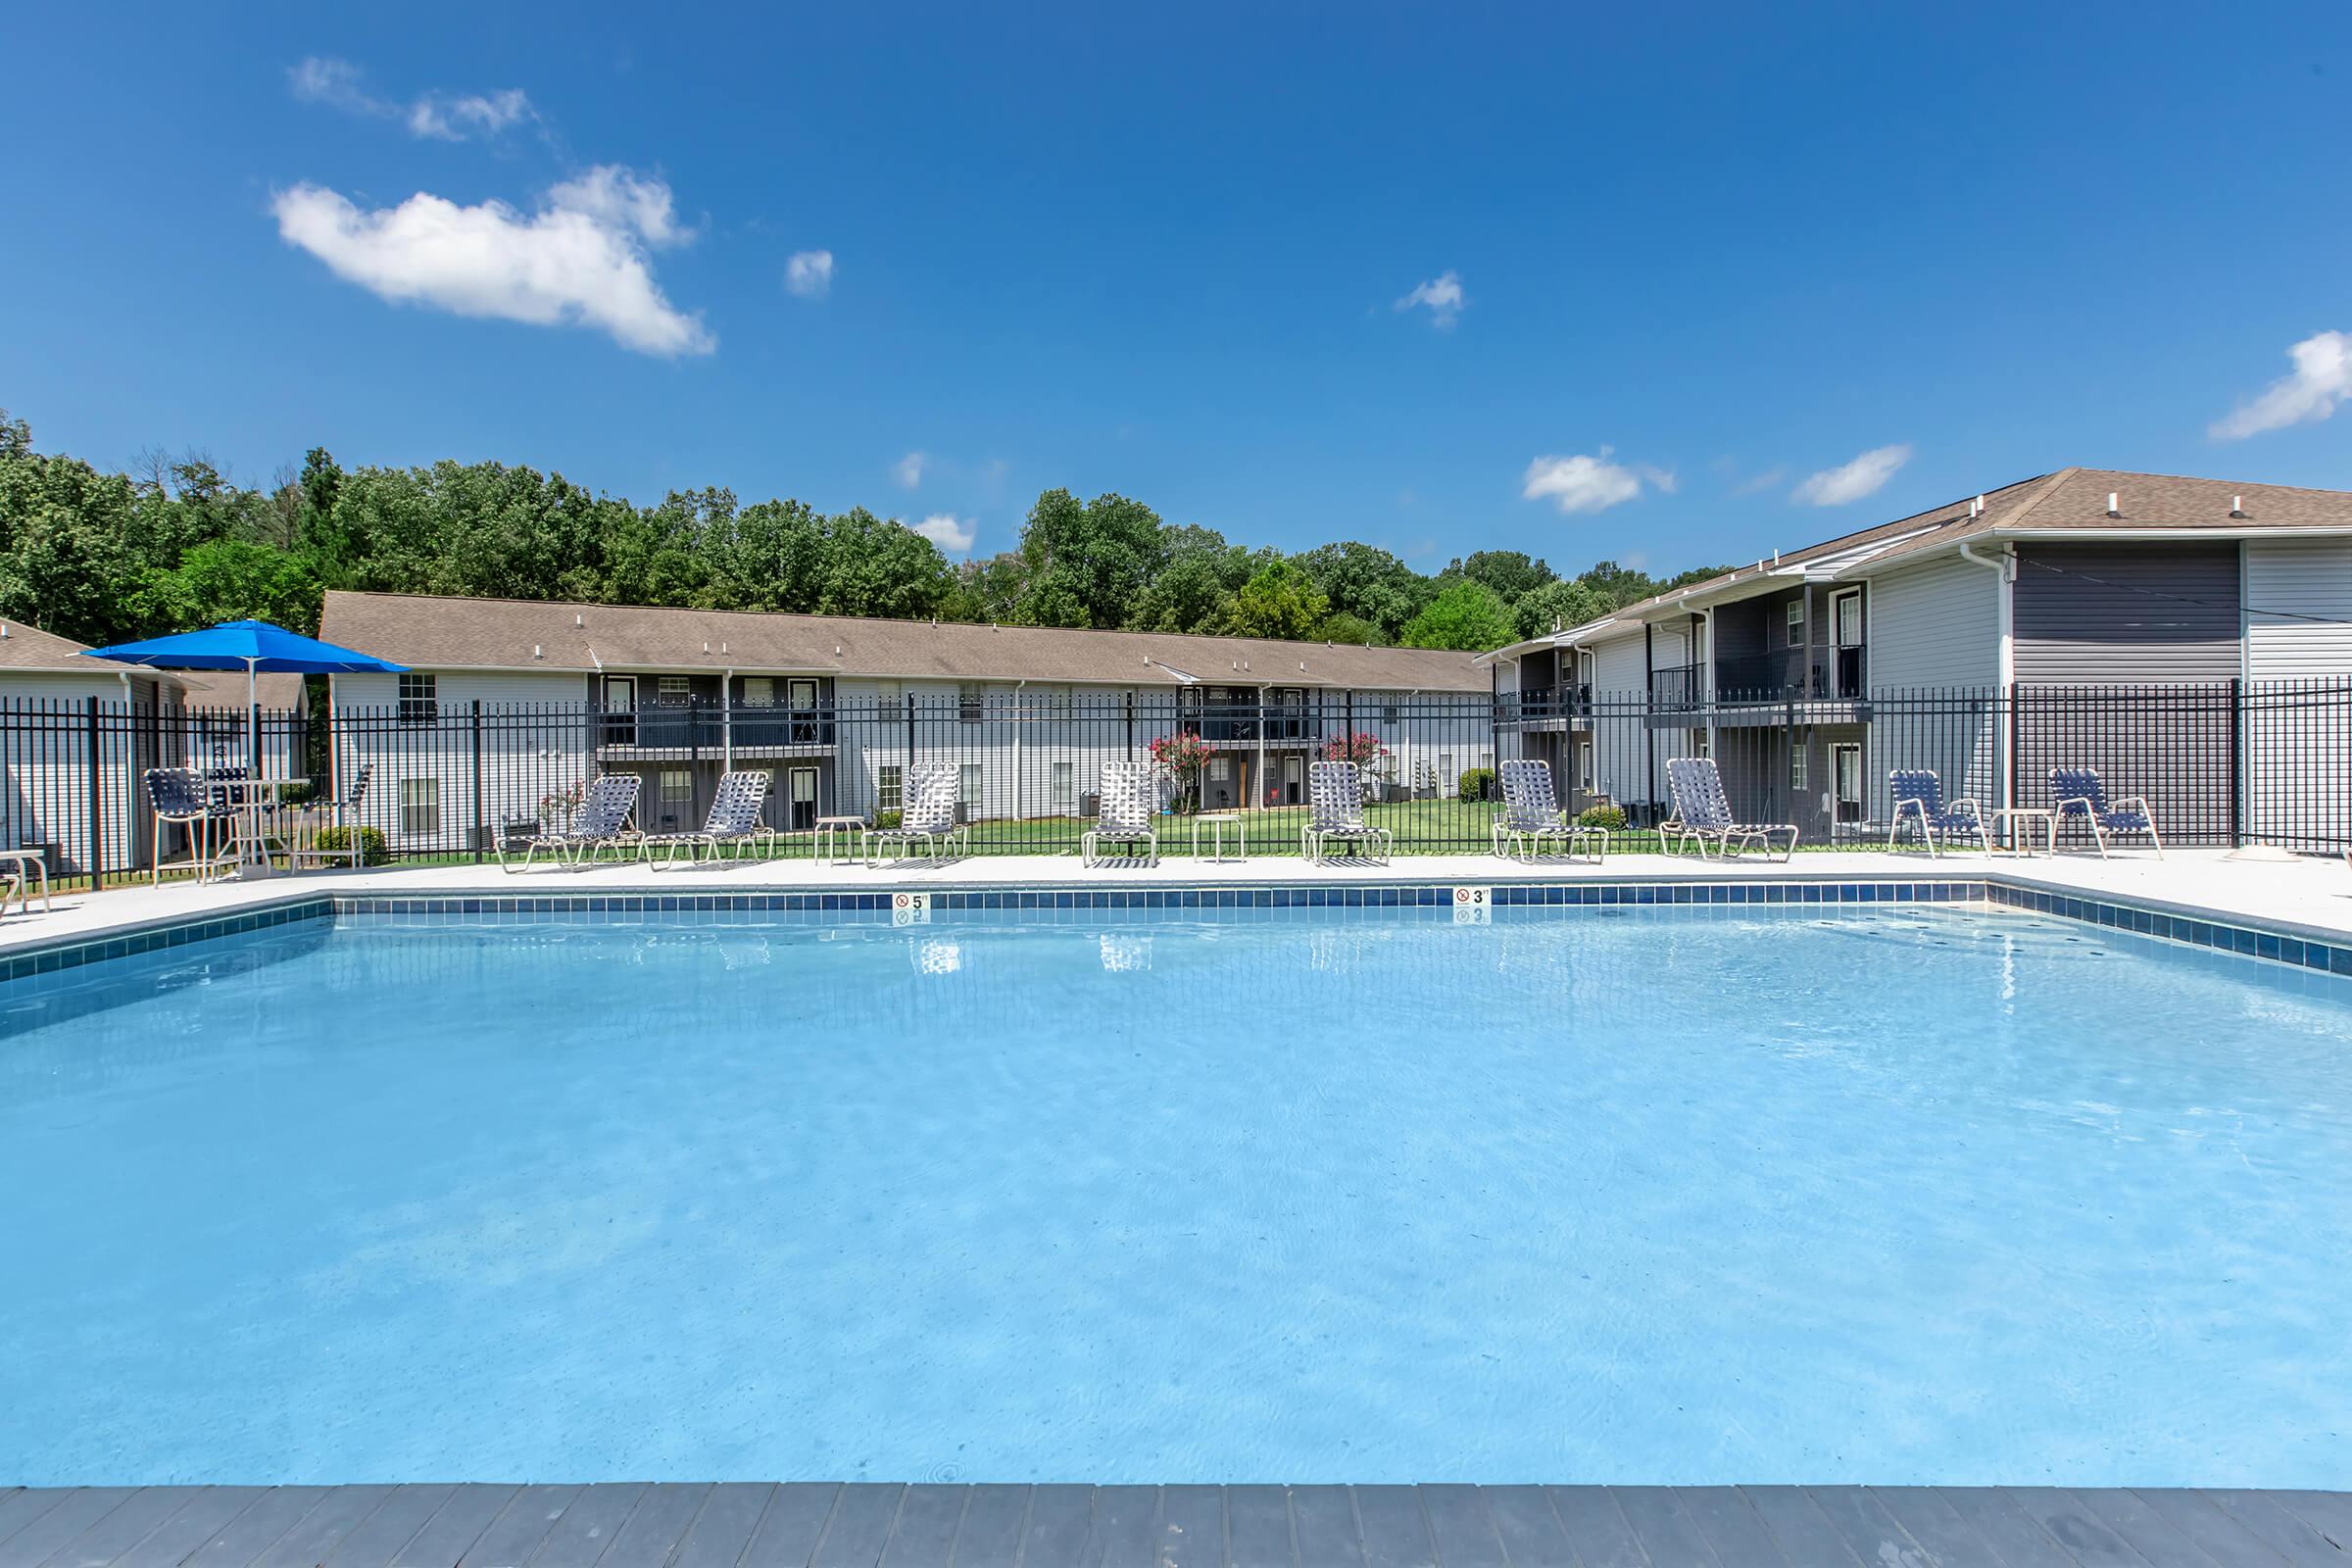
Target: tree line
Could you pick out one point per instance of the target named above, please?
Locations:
(106, 556)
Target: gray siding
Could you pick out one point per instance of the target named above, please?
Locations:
(2137, 613)
(1935, 626)
(2299, 742)
(1933, 634)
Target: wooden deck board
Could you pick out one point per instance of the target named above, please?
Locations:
(875, 1525)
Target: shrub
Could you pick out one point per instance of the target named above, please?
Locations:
(884, 821)
(1611, 817)
(1478, 784)
(372, 844)
(294, 792)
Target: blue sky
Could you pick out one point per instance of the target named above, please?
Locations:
(1703, 256)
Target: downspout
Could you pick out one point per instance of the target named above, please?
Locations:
(2004, 566)
(727, 721)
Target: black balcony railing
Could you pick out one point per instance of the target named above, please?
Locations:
(1276, 723)
(1676, 686)
(1837, 673)
(689, 727)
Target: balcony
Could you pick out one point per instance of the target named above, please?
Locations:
(1546, 708)
(672, 731)
(1676, 686)
(1276, 723)
(1839, 674)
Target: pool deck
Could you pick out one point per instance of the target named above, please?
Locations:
(872, 1525)
(2306, 897)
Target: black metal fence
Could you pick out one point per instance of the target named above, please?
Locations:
(2220, 764)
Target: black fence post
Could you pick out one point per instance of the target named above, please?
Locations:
(479, 825)
(2238, 762)
(1130, 726)
(97, 858)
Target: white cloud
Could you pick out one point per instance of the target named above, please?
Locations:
(909, 471)
(1582, 484)
(435, 115)
(1660, 480)
(1769, 479)
(809, 274)
(581, 260)
(2321, 380)
(1443, 295)
(944, 530)
(1851, 481)
(621, 198)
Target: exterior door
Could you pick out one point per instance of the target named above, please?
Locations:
(1846, 761)
(1845, 611)
(621, 709)
(799, 807)
(1294, 780)
(802, 696)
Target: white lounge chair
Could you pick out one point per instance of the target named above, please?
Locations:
(1130, 803)
(1702, 812)
(2077, 792)
(1531, 814)
(933, 793)
(1335, 796)
(734, 820)
(1919, 800)
(602, 823)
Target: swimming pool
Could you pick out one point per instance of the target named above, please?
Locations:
(1887, 1194)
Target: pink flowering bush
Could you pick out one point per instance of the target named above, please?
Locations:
(1181, 760)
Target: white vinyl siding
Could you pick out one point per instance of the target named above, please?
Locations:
(1933, 630)
(2298, 629)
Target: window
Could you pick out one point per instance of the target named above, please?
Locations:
(759, 691)
(677, 689)
(420, 807)
(970, 788)
(1065, 800)
(1387, 713)
(1796, 623)
(970, 706)
(420, 703)
(1584, 767)
(889, 791)
(1220, 768)
(1845, 768)
(1445, 773)
(677, 790)
(1796, 770)
(888, 694)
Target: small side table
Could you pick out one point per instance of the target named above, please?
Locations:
(24, 860)
(2014, 823)
(1217, 822)
(833, 834)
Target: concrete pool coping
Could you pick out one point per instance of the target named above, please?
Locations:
(2254, 906)
(884, 1525)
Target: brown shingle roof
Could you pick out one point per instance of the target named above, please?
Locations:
(2071, 500)
(441, 633)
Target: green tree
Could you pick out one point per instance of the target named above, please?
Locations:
(1557, 604)
(1341, 627)
(1469, 616)
(231, 579)
(1089, 563)
(1513, 574)
(1369, 583)
(1280, 600)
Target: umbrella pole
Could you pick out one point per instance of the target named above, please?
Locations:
(253, 719)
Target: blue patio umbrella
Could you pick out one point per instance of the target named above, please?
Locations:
(252, 645)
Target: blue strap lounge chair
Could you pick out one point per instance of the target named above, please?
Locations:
(1334, 813)
(1919, 803)
(1531, 814)
(736, 819)
(2078, 793)
(181, 795)
(602, 823)
(1130, 802)
(1702, 813)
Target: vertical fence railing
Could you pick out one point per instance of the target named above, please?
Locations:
(2220, 763)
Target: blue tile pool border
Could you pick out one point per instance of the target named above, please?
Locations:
(960, 905)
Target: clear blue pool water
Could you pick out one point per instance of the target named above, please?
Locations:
(1889, 1195)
